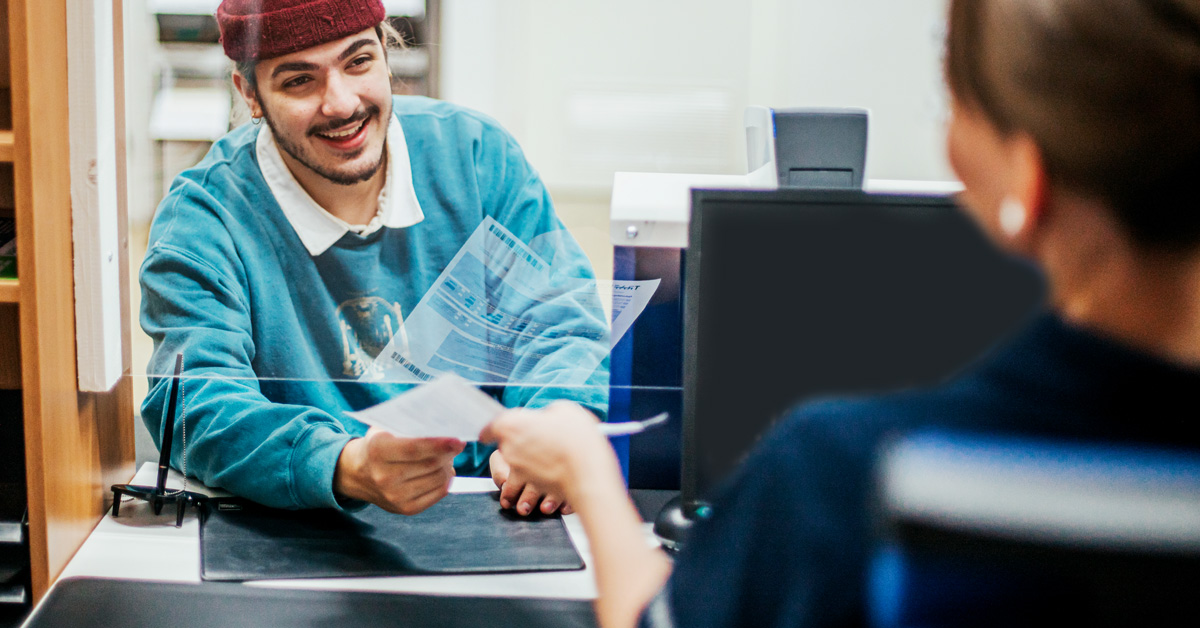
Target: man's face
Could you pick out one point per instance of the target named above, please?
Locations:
(328, 107)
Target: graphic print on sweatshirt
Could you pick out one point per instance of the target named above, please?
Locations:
(367, 325)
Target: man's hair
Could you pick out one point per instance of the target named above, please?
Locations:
(388, 36)
(1109, 90)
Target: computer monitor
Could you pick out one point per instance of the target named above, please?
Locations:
(795, 294)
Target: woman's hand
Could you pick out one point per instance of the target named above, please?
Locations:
(560, 450)
(556, 449)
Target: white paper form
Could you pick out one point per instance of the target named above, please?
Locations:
(629, 298)
(450, 407)
(497, 309)
(447, 407)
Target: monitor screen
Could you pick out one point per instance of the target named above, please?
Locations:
(795, 294)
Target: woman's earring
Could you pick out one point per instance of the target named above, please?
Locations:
(1012, 217)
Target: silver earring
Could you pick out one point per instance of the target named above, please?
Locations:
(254, 120)
(1012, 217)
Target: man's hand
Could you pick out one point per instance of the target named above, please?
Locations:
(520, 495)
(401, 475)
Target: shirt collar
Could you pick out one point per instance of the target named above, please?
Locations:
(317, 228)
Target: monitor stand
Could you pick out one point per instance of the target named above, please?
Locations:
(672, 524)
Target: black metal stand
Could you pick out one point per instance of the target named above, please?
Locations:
(156, 498)
(158, 495)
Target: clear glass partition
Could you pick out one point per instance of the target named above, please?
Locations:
(503, 312)
(270, 349)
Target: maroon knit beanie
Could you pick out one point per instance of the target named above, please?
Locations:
(254, 30)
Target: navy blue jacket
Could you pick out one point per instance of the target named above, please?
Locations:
(791, 534)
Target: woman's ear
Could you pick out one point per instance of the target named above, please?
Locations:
(1029, 184)
(248, 94)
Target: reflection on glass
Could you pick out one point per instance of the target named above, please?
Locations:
(503, 312)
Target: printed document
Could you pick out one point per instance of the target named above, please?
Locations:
(447, 407)
(500, 308)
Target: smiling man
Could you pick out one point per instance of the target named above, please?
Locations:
(284, 262)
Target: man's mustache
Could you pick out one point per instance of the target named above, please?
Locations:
(358, 116)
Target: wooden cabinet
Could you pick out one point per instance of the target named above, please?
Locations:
(76, 444)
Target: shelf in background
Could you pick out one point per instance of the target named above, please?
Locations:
(10, 291)
(6, 145)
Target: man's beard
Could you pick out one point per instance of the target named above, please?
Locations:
(340, 178)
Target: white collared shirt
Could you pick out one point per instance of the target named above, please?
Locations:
(318, 229)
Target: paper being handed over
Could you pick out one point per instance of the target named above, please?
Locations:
(447, 407)
(450, 407)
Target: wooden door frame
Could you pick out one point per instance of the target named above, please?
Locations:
(76, 444)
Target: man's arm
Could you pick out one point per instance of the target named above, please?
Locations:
(194, 301)
(236, 438)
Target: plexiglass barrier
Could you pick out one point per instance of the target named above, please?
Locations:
(272, 353)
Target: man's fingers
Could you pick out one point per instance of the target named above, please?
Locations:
(391, 448)
(551, 503)
(413, 449)
(529, 500)
(397, 473)
(500, 469)
(419, 493)
(509, 493)
(423, 501)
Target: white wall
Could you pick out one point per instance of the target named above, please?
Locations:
(880, 54)
(590, 88)
(141, 52)
(659, 85)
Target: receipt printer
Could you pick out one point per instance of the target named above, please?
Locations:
(808, 147)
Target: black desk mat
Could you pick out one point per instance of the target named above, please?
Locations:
(464, 533)
(102, 603)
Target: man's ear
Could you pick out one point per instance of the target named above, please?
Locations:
(247, 93)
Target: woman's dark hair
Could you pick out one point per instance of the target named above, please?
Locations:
(1109, 90)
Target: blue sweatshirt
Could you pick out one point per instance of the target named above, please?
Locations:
(266, 327)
